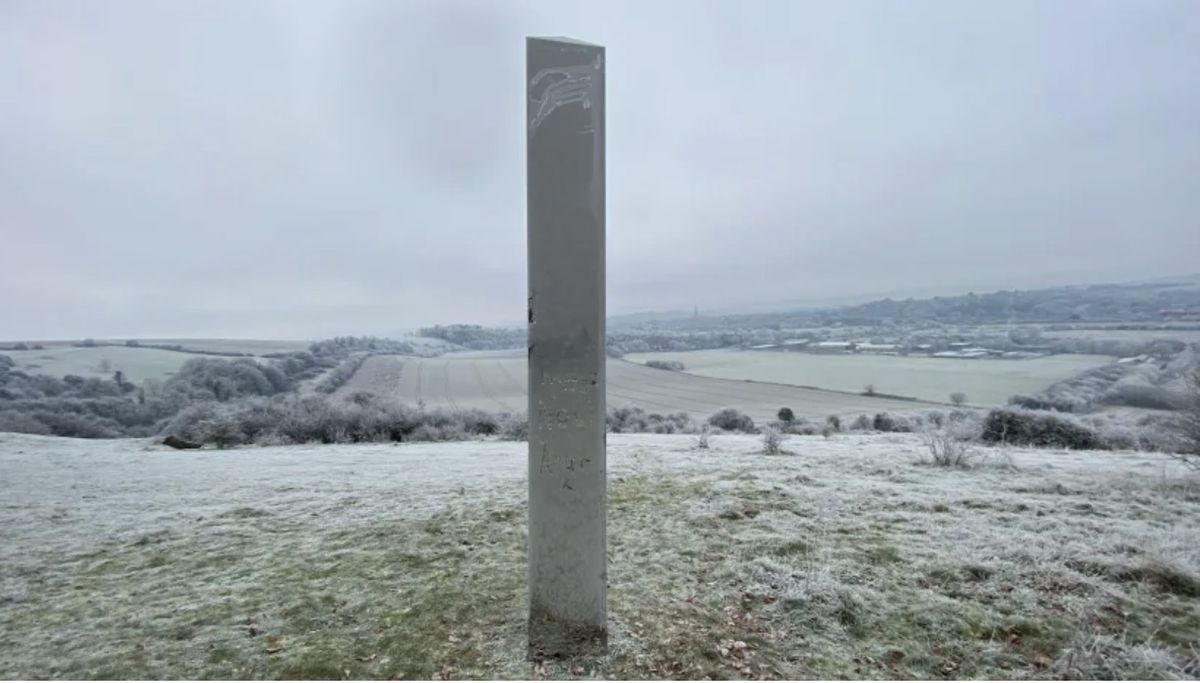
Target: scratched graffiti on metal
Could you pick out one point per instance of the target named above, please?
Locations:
(564, 85)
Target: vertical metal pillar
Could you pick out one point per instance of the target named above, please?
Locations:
(567, 491)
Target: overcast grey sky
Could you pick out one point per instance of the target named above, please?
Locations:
(302, 169)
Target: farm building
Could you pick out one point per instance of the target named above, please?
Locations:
(1018, 355)
(969, 352)
(831, 347)
(876, 348)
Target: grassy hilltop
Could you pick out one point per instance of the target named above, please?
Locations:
(847, 557)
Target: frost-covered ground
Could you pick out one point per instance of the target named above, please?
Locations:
(846, 558)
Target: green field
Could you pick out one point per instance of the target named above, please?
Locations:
(496, 380)
(984, 381)
(499, 382)
(254, 346)
(138, 364)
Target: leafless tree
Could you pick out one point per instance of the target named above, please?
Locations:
(947, 448)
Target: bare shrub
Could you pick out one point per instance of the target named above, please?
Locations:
(314, 419)
(961, 415)
(947, 447)
(702, 438)
(80, 425)
(24, 423)
(1152, 433)
(274, 439)
(861, 423)
(223, 432)
(958, 398)
(201, 379)
(772, 441)
(732, 420)
(627, 419)
(834, 423)
(1038, 403)
(672, 423)
(672, 365)
(515, 427)
(797, 426)
(886, 422)
(1138, 393)
(1030, 428)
